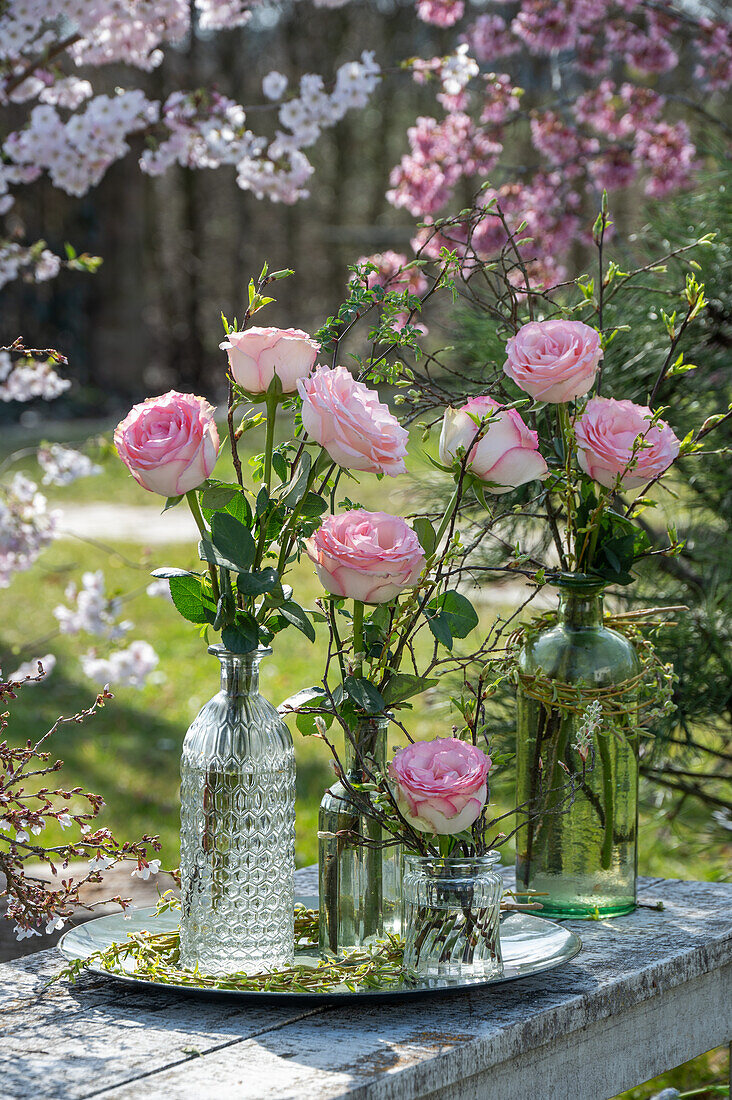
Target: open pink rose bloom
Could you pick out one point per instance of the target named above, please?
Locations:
(257, 354)
(347, 418)
(170, 443)
(442, 785)
(606, 434)
(367, 556)
(553, 361)
(506, 456)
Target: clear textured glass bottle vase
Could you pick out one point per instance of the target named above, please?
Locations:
(237, 860)
(451, 917)
(360, 884)
(579, 843)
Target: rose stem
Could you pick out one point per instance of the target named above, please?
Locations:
(271, 402)
(195, 508)
(358, 644)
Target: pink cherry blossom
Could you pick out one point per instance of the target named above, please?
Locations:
(27, 526)
(441, 13)
(130, 666)
(489, 37)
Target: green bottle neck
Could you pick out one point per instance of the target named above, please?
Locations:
(581, 609)
(370, 737)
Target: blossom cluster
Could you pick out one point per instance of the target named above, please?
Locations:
(75, 134)
(195, 129)
(130, 666)
(441, 154)
(92, 611)
(605, 138)
(27, 526)
(108, 31)
(26, 379)
(33, 263)
(78, 152)
(204, 131)
(64, 465)
(27, 672)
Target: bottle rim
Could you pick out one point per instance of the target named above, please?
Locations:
(579, 582)
(488, 861)
(218, 649)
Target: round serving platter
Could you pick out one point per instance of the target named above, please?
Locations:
(529, 944)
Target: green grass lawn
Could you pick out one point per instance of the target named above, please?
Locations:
(129, 752)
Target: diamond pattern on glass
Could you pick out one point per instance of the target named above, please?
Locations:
(237, 837)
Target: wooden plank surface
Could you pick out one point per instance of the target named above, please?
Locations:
(648, 990)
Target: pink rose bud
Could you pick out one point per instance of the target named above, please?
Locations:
(169, 443)
(507, 454)
(554, 361)
(442, 785)
(368, 556)
(606, 433)
(257, 354)
(347, 418)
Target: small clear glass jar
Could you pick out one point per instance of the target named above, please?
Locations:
(451, 911)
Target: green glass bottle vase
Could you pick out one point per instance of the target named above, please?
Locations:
(578, 843)
(359, 883)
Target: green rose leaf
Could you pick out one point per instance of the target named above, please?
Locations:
(312, 696)
(426, 534)
(216, 498)
(403, 686)
(296, 616)
(313, 506)
(440, 629)
(455, 611)
(295, 491)
(243, 637)
(167, 571)
(256, 584)
(189, 600)
(279, 465)
(208, 552)
(233, 540)
(364, 694)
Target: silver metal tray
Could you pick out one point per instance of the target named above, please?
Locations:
(530, 945)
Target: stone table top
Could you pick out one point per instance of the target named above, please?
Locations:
(648, 987)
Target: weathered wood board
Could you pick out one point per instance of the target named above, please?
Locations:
(649, 990)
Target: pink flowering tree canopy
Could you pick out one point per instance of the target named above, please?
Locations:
(603, 111)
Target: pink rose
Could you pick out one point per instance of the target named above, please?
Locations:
(506, 456)
(169, 443)
(606, 433)
(368, 556)
(553, 361)
(347, 418)
(257, 354)
(442, 785)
